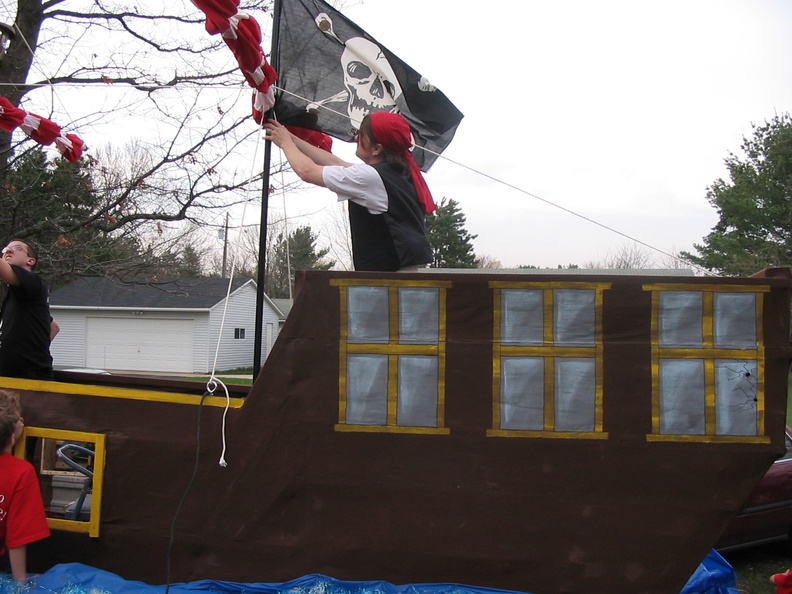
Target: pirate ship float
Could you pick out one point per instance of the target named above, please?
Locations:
(544, 433)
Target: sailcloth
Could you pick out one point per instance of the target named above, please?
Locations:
(332, 73)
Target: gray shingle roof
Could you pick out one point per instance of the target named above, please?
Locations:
(175, 293)
(284, 305)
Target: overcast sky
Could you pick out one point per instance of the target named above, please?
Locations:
(621, 111)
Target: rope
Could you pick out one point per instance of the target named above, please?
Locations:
(48, 84)
(565, 209)
(473, 170)
(522, 191)
(469, 168)
(213, 382)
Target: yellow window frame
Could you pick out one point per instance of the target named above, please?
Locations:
(549, 352)
(91, 527)
(393, 349)
(708, 354)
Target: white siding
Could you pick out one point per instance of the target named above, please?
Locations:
(241, 314)
(70, 348)
(141, 343)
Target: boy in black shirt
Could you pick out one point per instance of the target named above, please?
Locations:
(25, 321)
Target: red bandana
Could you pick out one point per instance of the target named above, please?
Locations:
(393, 132)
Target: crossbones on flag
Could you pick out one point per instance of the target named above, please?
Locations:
(40, 129)
(332, 73)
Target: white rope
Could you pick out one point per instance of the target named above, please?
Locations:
(211, 386)
(476, 171)
(214, 381)
(565, 209)
(526, 192)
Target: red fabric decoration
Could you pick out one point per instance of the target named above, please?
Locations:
(312, 137)
(70, 146)
(40, 129)
(218, 13)
(246, 46)
(393, 132)
(261, 103)
(783, 582)
(242, 34)
(10, 117)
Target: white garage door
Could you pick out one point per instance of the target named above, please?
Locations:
(140, 344)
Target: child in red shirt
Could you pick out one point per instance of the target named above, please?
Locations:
(22, 516)
(782, 582)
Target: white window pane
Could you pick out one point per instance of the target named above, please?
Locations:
(682, 396)
(522, 316)
(418, 315)
(735, 397)
(417, 391)
(367, 308)
(575, 394)
(735, 320)
(367, 390)
(574, 317)
(522, 393)
(680, 323)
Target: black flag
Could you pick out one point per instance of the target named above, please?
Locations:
(332, 73)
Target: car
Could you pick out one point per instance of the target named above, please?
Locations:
(767, 514)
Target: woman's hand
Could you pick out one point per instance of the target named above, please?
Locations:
(277, 133)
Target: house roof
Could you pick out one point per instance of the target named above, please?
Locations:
(284, 305)
(172, 293)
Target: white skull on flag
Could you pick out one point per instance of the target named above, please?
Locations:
(370, 82)
(369, 79)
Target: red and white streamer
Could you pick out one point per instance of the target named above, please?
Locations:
(242, 34)
(40, 129)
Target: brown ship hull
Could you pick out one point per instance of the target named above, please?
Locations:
(582, 478)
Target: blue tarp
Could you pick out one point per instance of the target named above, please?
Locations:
(713, 576)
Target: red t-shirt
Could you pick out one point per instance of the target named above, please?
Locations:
(22, 517)
(783, 582)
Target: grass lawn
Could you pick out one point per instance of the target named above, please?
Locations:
(754, 566)
(245, 381)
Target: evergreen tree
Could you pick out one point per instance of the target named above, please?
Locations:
(189, 263)
(47, 203)
(755, 206)
(303, 255)
(451, 242)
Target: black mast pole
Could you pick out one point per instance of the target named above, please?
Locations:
(265, 183)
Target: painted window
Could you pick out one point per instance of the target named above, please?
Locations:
(707, 362)
(71, 471)
(547, 359)
(392, 357)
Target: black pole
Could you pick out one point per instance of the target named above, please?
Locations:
(265, 183)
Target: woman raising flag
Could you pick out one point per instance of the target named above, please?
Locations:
(387, 194)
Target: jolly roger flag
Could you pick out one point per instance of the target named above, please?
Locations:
(332, 73)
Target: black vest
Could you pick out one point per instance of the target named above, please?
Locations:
(396, 238)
